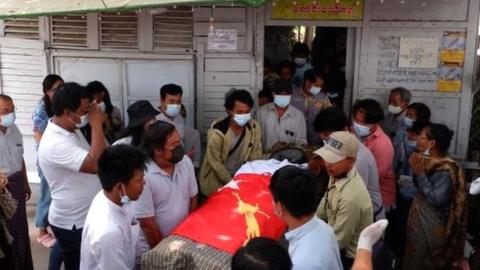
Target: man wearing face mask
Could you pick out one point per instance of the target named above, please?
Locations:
(397, 108)
(171, 105)
(111, 230)
(12, 165)
(232, 141)
(280, 121)
(300, 55)
(170, 192)
(367, 115)
(310, 99)
(70, 165)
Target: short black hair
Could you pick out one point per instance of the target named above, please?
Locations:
(282, 86)
(442, 136)
(118, 163)
(156, 136)
(47, 84)
(170, 89)
(373, 110)
(237, 95)
(418, 126)
(266, 93)
(261, 253)
(297, 189)
(423, 112)
(6, 98)
(69, 96)
(300, 48)
(312, 75)
(287, 64)
(331, 119)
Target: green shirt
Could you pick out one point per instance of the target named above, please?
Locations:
(347, 208)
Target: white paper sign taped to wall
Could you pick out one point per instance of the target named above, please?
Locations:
(222, 40)
(418, 52)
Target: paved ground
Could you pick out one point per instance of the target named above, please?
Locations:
(39, 252)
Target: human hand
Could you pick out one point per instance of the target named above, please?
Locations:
(371, 234)
(417, 164)
(95, 116)
(3, 182)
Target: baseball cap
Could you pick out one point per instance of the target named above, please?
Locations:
(338, 146)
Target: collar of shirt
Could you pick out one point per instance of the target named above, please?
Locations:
(297, 233)
(342, 182)
(118, 211)
(378, 131)
(59, 129)
(153, 168)
(288, 112)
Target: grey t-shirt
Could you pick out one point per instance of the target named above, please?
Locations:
(233, 161)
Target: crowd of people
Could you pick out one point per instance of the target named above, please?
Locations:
(111, 192)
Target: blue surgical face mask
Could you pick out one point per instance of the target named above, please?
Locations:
(300, 62)
(410, 143)
(173, 110)
(242, 119)
(8, 120)
(282, 101)
(315, 90)
(124, 199)
(408, 122)
(361, 130)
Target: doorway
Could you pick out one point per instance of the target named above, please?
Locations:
(328, 53)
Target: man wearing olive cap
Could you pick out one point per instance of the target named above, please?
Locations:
(346, 205)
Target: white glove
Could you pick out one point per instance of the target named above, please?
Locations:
(371, 234)
(475, 187)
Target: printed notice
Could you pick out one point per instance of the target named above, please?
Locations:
(418, 52)
(222, 40)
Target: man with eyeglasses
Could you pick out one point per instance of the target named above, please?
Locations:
(346, 206)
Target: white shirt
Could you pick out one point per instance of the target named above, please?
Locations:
(126, 140)
(290, 128)
(313, 246)
(61, 154)
(177, 122)
(109, 237)
(165, 197)
(11, 151)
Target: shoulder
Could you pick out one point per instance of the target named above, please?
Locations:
(295, 112)
(125, 140)
(221, 125)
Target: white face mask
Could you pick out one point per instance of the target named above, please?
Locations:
(83, 121)
(394, 109)
(124, 199)
(173, 110)
(426, 152)
(300, 62)
(315, 90)
(282, 101)
(102, 106)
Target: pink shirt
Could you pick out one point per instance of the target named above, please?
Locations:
(379, 143)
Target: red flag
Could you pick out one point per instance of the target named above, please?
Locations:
(233, 215)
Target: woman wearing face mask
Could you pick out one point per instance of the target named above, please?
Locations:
(406, 188)
(113, 122)
(301, 56)
(231, 142)
(437, 218)
(41, 114)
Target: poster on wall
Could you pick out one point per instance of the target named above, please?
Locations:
(318, 10)
(418, 52)
(452, 57)
(222, 40)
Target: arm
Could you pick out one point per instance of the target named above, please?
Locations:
(213, 157)
(151, 231)
(363, 260)
(109, 253)
(193, 203)
(436, 188)
(26, 185)
(348, 216)
(321, 213)
(90, 163)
